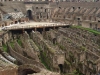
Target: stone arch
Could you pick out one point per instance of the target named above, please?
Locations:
(28, 69)
(61, 67)
(29, 14)
(16, 22)
(54, 40)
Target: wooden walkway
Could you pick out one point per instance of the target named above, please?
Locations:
(30, 25)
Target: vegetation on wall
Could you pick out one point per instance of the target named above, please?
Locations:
(19, 42)
(12, 44)
(77, 72)
(4, 47)
(83, 48)
(67, 62)
(61, 46)
(44, 60)
(88, 29)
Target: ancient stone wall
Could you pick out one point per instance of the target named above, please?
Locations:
(76, 4)
(23, 60)
(54, 56)
(9, 71)
(76, 53)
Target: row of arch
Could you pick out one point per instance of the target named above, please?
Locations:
(11, 0)
(7, 23)
(29, 14)
(19, 0)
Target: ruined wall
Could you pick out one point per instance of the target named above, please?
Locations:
(23, 60)
(77, 54)
(51, 56)
(9, 71)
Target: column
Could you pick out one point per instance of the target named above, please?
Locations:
(1, 16)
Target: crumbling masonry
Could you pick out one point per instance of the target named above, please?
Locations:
(50, 51)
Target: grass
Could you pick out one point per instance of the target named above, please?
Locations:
(67, 62)
(77, 72)
(61, 47)
(5, 48)
(88, 29)
(19, 42)
(12, 44)
(83, 48)
(44, 60)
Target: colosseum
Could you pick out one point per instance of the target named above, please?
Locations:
(49, 37)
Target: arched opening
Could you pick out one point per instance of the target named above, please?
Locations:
(54, 41)
(28, 31)
(59, 7)
(40, 30)
(16, 22)
(48, 28)
(96, 26)
(78, 7)
(90, 25)
(27, 71)
(29, 14)
(19, 20)
(61, 68)
(73, 7)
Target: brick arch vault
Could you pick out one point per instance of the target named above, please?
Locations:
(28, 69)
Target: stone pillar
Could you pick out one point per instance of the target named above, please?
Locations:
(0, 42)
(43, 29)
(1, 16)
(23, 30)
(54, 27)
(43, 32)
(35, 29)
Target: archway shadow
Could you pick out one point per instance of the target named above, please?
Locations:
(27, 71)
(29, 14)
(61, 68)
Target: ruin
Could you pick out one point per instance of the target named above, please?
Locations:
(49, 38)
